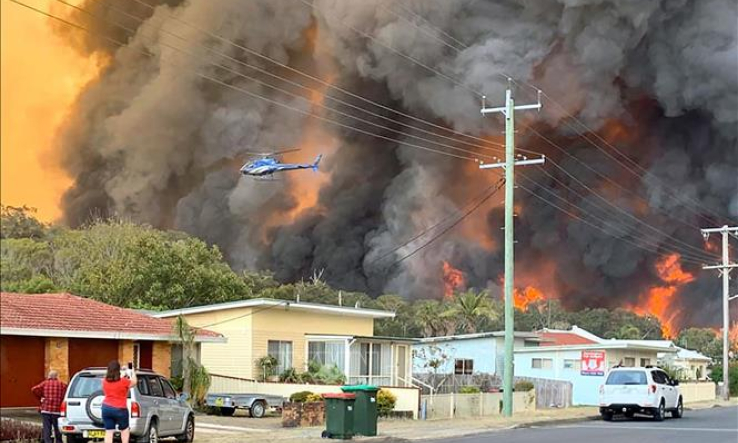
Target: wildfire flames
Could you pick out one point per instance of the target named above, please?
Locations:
(522, 298)
(658, 300)
(453, 279)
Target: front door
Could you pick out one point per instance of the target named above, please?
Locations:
(401, 366)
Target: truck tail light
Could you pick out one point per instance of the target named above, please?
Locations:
(135, 410)
(63, 409)
(653, 389)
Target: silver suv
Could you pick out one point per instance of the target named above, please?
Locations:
(156, 410)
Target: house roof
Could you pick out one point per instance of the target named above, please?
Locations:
(285, 305)
(688, 354)
(526, 335)
(616, 344)
(563, 338)
(67, 315)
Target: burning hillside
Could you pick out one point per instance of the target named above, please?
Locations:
(638, 123)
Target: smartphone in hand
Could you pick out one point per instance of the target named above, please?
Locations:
(130, 365)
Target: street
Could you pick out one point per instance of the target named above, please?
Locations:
(716, 425)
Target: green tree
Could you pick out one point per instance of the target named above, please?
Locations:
(434, 318)
(20, 222)
(702, 340)
(472, 309)
(402, 324)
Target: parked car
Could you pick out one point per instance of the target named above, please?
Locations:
(155, 409)
(646, 390)
(256, 404)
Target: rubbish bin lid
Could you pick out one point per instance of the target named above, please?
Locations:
(354, 388)
(341, 395)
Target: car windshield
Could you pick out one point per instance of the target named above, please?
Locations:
(86, 384)
(626, 378)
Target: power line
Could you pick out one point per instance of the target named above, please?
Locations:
(451, 226)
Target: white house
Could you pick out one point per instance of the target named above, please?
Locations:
(584, 359)
(690, 365)
(467, 354)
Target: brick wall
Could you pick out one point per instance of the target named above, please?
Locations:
(57, 357)
(303, 414)
(161, 359)
(125, 352)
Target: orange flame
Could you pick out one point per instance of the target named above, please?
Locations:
(453, 279)
(659, 299)
(522, 298)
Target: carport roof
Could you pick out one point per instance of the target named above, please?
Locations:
(67, 315)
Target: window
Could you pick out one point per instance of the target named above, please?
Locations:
(626, 378)
(659, 377)
(143, 386)
(572, 364)
(328, 353)
(463, 366)
(155, 389)
(645, 362)
(168, 389)
(630, 362)
(371, 363)
(282, 351)
(542, 363)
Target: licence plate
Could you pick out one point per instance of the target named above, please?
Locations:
(94, 434)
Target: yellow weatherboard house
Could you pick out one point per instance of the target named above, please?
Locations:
(295, 333)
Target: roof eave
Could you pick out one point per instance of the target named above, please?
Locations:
(110, 335)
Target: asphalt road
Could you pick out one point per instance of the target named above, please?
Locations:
(716, 425)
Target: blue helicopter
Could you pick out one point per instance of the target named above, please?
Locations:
(268, 164)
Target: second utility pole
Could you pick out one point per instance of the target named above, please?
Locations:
(509, 165)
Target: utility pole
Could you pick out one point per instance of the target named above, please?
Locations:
(509, 166)
(724, 270)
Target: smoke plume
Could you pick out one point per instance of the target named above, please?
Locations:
(154, 140)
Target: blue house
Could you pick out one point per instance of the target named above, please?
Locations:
(467, 354)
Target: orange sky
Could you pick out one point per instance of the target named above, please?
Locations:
(40, 79)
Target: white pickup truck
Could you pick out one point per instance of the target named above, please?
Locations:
(646, 390)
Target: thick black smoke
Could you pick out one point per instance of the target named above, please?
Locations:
(146, 139)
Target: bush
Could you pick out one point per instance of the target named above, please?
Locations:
(13, 430)
(290, 375)
(385, 402)
(314, 398)
(300, 397)
(717, 376)
(523, 386)
(177, 383)
(469, 390)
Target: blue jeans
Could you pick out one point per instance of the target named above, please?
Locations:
(114, 416)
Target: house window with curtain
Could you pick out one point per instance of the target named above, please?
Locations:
(463, 366)
(371, 363)
(282, 351)
(328, 353)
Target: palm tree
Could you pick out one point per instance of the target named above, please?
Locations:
(186, 338)
(434, 318)
(472, 308)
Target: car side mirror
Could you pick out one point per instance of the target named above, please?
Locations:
(184, 396)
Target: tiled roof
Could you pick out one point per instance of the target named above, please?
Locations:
(67, 313)
(563, 339)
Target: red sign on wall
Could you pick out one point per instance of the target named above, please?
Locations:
(593, 362)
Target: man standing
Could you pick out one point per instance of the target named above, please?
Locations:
(51, 392)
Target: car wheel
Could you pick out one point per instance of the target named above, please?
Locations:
(606, 415)
(189, 433)
(679, 411)
(75, 439)
(152, 434)
(227, 412)
(660, 412)
(257, 410)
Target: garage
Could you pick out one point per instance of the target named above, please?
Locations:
(21, 368)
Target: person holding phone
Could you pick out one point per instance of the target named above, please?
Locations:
(115, 404)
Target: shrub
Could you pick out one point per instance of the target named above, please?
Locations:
(385, 402)
(523, 386)
(177, 383)
(717, 376)
(290, 375)
(469, 390)
(300, 397)
(13, 430)
(314, 398)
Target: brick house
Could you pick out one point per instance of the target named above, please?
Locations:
(39, 332)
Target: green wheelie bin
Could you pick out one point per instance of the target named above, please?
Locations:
(365, 410)
(339, 416)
